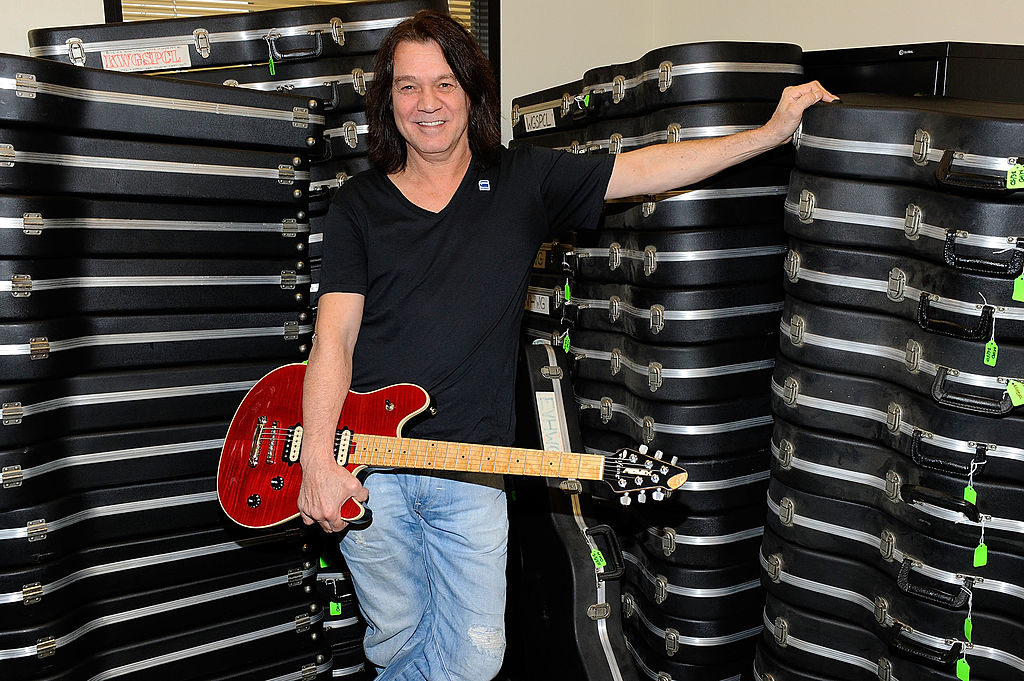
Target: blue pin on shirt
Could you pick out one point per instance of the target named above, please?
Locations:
(484, 185)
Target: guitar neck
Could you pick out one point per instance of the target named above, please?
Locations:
(395, 452)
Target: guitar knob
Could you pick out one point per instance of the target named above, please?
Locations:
(642, 497)
(625, 500)
(277, 482)
(657, 495)
(254, 501)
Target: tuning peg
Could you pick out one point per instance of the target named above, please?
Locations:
(625, 500)
(673, 460)
(658, 454)
(657, 495)
(642, 449)
(642, 497)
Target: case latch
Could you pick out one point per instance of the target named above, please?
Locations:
(302, 623)
(893, 482)
(787, 510)
(797, 326)
(649, 428)
(648, 207)
(76, 51)
(25, 85)
(300, 117)
(36, 530)
(288, 279)
(289, 227)
(897, 285)
(45, 647)
(32, 593)
(359, 81)
(567, 101)
(599, 611)
(614, 256)
(21, 285)
(202, 40)
(774, 568)
(881, 609)
(618, 88)
(922, 145)
(790, 391)
(338, 30)
(913, 356)
(664, 76)
(654, 376)
(7, 155)
(671, 641)
(39, 348)
(615, 143)
(660, 589)
(12, 413)
(912, 222)
(515, 115)
(792, 266)
(615, 361)
(11, 476)
(32, 224)
(657, 318)
(650, 260)
(808, 202)
(291, 330)
(552, 373)
(887, 545)
(614, 304)
(884, 670)
(285, 174)
(668, 541)
(894, 418)
(295, 577)
(606, 409)
(781, 631)
(786, 452)
(309, 672)
(675, 133)
(351, 134)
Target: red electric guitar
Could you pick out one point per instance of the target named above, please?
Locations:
(259, 474)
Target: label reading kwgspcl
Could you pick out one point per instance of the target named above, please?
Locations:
(541, 120)
(151, 59)
(538, 304)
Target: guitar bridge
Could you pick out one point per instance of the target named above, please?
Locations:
(275, 429)
(257, 437)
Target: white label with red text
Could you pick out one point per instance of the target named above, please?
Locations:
(540, 120)
(539, 304)
(151, 59)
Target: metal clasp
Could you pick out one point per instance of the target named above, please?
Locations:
(887, 545)
(648, 207)
(781, 631)
(36, 530)
(202, 40)
(567, 101)
(338, 30)
(552, 373)
(76, 51)
(302, 623)
(790, 391)
(39, 348)
(922, 145)
(291, 330)
(668, 541)
(7, 156)
(614, 256)
(893, 482)
(785, 455)
(654, 378)
(12, 476)
(359, 81)
(614, 304)
(300, 117)
(897, 285)
(675, 133)
(912, 222)
(648, 429)
(289, 227)
(618, 88)
(774, 568)
(351, 134)
(615, 361)
(515, 115)
(913, 357)
(792, 266)
(45, 647)
(660, 589)
(606, 409)
(797, 326)
(21, 285)
(671, 641)
(599, 611)
(615, 143)
(881, 609)
(657, 318)
(32, 593)
(808, 202)
(894, 417)
(285, 174)
(12, 413)
(787, 511)
(288, 279)
(650, 260)
(664, 76)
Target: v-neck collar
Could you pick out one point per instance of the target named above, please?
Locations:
(466, 178)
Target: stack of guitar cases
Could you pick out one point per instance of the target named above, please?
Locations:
(322, 57)
(670, 312)
(324, 52)
(895, 523)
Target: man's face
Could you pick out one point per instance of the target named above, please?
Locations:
(431, 108)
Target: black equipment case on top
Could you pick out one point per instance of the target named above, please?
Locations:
(45, 94)
(230, 39)
(967, 70)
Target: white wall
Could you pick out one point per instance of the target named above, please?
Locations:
(549, 42)
(21, 15)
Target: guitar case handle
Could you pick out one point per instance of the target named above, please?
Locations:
(931, 595)
(972, 403)
(617, 565)
(981, 332)
(313, 52)
(934, 463)
(926, 654)
(945, 175)
(1010, 269)
(917, 494)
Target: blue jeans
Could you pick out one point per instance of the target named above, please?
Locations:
(429, 573)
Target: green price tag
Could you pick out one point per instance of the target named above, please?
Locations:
(586, 100)
(335, 608)
(968, 629)
(271, 63)
(598, 558)
(324, 562)
(963, 670)
(981, 555)
(1015, 177)
(970, 495)
(565, 344)
(991, 353)
(1018, 289)
(568, 294)
(1016, 391)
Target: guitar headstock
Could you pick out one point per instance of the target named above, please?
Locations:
(635, 470)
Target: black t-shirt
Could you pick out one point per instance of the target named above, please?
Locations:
(445, 291)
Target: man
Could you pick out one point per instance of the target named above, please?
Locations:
(426, 262)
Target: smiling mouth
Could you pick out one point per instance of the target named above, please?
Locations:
(430, 124)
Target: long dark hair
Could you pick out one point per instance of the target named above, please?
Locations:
(387, 148)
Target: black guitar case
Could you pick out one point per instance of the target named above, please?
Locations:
(690, 540)
(956, 145)
(555, 108)
(123, 105)
(971, 234)
(302, 33)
